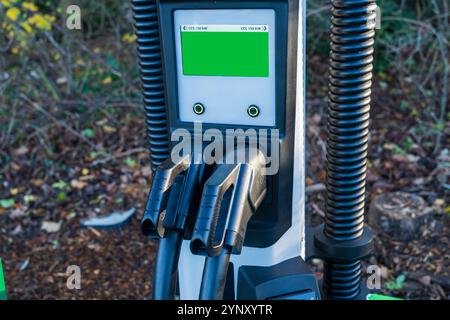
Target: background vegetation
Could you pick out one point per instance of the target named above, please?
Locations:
(73, 142)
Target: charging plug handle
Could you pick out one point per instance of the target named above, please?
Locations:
(230, 198)
(172, 197)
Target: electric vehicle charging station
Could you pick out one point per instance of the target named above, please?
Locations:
(228, 230)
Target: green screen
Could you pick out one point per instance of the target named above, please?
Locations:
(225, 53)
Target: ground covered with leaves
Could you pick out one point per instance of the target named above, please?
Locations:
(73, 146)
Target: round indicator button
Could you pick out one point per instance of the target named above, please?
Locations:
(199, 108)
(253, 111)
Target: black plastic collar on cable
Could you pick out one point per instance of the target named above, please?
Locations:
(320, 246)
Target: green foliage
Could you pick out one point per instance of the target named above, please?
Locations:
(61, 197)
(408, 144)
(64, 72)
(7, 203)
(60, 185)
(130, 162)
(411, 58)
(22, 22)
(88, 133)
(29, 198)
(102, 17)
(397, 284)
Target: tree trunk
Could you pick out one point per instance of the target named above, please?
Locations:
(401, 216)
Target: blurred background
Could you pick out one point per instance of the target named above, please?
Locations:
(73, 146)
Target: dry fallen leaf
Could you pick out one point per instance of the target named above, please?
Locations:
(51, 227)
(23, 150)
(17, 213)
(87, 178)
(109, 129)
(426, 280)
(61, 80)
(107, 80)
(77, 184)
(38, 182)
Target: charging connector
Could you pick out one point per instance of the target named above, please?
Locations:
(231, 196)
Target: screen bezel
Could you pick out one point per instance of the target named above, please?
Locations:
(166, 14)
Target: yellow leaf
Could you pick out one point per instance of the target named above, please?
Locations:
(107, 80)
(14, 50)
(50, 18)
(26, 26)
(13, 13)
(127, 37)
(14, 191)
(29, 6)
(389, 146)
(85, 172)
(109, 129)
(40, 21)
(29, 198)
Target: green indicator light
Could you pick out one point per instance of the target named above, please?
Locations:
(253, 111)
(199, 108)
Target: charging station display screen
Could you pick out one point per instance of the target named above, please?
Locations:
(225, 50)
